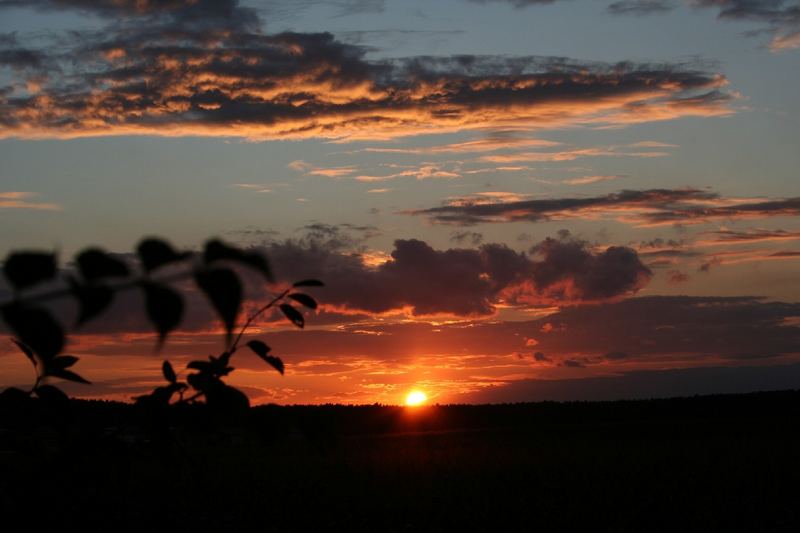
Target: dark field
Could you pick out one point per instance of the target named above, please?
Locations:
(716, 463)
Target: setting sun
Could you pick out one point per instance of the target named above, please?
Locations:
(416, 397)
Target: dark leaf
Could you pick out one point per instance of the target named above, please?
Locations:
(217, 250)
(53, 396)
(304, 299)
(169, 372)
(202, 366)
(62, 361)
(224, 291)
(24, 269)
(164, 308)
(203, 381)
(36, 328)
(92, 299)
(308, 283)
(262, 350)
(95, 264)
(27, 351)
(293, 315)
(155, 253)
(68, 375)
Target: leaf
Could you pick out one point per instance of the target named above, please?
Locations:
(27, 351)
(304, 299)
(63, 361)
(68, 375)
(262, 350)
(293, 315)
(202, 366)
(155, 253)
(169, 372)
(224, 291)
(92, 299)
(25, 269)
(36, 328)
(203, 381)
(164, 308)
(95, 264)
(216, 250)
(308, 283)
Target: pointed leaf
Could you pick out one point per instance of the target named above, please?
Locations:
(25, 269)
(36, 328)
(92, 299)
(308, 283)
(27, 351)
(199, 365)
(62, 361)
(95, 264)
(155, 253)
(304, 299)
(262, 350)
(224, 291)
(293, 315)
(164, 308)
(217, 250)
(169, 372)
(68, 375)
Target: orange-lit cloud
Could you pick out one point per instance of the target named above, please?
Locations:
(586, 180)
(205, 68)
(19, 200)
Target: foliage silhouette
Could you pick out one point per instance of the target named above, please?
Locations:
(95, 281)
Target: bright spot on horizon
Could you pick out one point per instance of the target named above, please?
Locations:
(416, 397)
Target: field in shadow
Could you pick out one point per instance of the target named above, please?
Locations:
(715, 463)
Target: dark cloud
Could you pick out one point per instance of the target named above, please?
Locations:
(207, 68)
(670, 331)
(644, 384)
(471, 237)
(463, 281)
(749, 236)
(675, 277)
(641, 7)
(117, 8)
(515, 3)
(651, 207)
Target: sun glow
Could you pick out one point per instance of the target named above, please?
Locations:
(416, 397)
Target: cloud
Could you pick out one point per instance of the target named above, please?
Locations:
(465, 282)
(18, 200)
(728, 237)
(423, 172)
(573, 154)
(586, 180)
(329, 172)
(643, 384)
(489, 144)
(641, 7)
(206, 68)
(651, 207)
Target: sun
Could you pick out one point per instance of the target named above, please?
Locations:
(416, 397)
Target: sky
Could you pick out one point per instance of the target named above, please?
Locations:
(508, 200)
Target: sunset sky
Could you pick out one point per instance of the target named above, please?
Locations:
(508, 200)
